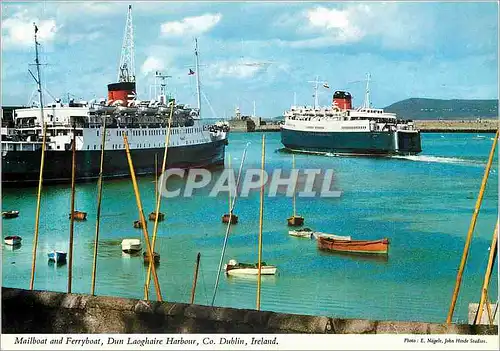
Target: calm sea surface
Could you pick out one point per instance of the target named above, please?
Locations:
(423, 204)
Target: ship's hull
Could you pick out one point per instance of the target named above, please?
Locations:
(23, 167)
(353, 143)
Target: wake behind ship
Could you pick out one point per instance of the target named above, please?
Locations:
(342, 130)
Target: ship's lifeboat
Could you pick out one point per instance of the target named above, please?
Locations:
(104, 109)
(163, 109)
(125, 109)
(130, 108)
(145, 110)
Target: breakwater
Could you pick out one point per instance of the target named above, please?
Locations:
(458, 126)
(26, 311)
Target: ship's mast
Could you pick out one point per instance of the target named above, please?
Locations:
(126, 71)
(316, 102)
(163, 86)
(197, 76)
(316, 85)
(38, 80)
(366, 103)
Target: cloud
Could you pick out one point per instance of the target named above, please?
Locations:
(388, 25)
(191, 25)
(74, 38)
(234, 69)
(152, 63)
(339, 25)
(17, 30)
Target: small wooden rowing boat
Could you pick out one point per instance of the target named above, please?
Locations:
(131, 245)
(10, 214)
(57, 256)
(302, 233)
(138, 224)
(78, 216)
(235, 268)
(354, 246)
(152, 216)
(234, 218)
(12, 240)
(156, 257)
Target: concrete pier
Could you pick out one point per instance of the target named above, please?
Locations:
(473, 308)
(25, 311)
(457, 126)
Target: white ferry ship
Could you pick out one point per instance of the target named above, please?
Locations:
(343, 130)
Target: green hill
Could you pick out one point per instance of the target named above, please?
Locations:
(419, 108)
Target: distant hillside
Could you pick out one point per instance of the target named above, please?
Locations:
(418, 108)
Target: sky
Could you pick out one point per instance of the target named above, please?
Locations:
(267, 52)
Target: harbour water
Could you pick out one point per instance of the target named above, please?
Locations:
(423, 204)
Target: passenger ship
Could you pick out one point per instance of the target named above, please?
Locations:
(192, 144)
(340, 129)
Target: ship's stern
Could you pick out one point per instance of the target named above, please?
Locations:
(409, 142)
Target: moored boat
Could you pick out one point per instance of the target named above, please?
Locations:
(302, 233)
(234, 218)
(156, 257)
(193, 143)
(152, 217)
(138, 224)
(78, 216)
(380, 247)
(235, 268)
(10, 214)
(12, 240)
(295, 221)
(131, 245)
(57, 256)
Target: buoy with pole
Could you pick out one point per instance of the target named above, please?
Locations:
(229, 216)
(294, 220)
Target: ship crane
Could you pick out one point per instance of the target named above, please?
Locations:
(123, 92)
(126, 71)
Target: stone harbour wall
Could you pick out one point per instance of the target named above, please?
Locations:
(25, 311)
(457, 126)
